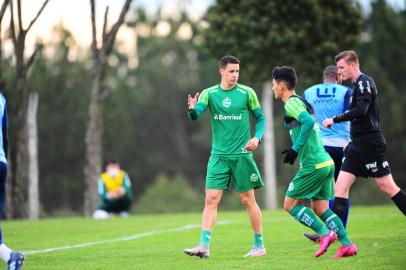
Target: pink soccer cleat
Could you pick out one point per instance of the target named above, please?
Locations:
(346, 251)
(325, 242)
(315, 237)
(198, 251)
(255, 252)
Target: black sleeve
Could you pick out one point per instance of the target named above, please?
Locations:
(359, 110)
(363, 94)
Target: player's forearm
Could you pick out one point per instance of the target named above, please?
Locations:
(127, 186)
(307, 124)
(359, 110)
(101, 190)
(197, 111)
(260, 123)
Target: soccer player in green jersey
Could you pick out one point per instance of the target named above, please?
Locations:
(314, 180)
(231, 157)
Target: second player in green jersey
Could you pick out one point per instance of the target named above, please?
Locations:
(314, 179)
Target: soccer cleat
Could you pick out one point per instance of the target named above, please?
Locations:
(16, 261)
(325, 242)
(198, 251)
(315, 237)
(346, 251)
(255, 252)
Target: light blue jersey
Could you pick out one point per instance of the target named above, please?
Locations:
(3, 124)
(328, 100)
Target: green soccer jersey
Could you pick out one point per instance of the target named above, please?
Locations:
(305, 135)
(229, 110)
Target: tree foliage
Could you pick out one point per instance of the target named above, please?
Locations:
(265, 33)
(175, 195)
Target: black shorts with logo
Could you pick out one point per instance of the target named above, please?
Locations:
(365, 156)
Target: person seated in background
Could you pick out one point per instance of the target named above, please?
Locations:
(115, 192)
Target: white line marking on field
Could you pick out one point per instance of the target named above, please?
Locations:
(127, 238)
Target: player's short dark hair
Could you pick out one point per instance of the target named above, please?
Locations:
(286, 74)
(330, 72)
(348, 56)
(228, 59)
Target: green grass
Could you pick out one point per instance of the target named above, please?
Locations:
(379, 232)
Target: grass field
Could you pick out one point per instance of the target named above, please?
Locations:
(157, 242)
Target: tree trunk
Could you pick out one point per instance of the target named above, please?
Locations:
(18, 184)
(94, 143)
(94, 132)
(19, 190)
(33, 175)
(269, 149)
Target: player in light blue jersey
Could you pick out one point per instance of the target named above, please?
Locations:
(14, 260)
(329, 99)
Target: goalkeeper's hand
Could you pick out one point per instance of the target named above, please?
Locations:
(290, 156)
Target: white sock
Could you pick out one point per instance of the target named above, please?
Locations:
(5, 253)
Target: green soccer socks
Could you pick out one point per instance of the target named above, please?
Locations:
(335, 224)
(258, 240)
(205, 238)
(306, 216)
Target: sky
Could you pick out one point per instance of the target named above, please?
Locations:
(75, 15)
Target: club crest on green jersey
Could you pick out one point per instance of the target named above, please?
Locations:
(254, 177)
(226, 102)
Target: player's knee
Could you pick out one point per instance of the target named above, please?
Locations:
(247, 202)
(211, 200)
(287, 207)
(319, 211)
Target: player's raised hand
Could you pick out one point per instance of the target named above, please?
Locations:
(327, 123)
(191, 101)
(252, 144)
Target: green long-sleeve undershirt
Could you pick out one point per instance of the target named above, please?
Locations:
(307, 123)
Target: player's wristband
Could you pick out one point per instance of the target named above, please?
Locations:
(259, 140)
(192, 114)
(336, 119)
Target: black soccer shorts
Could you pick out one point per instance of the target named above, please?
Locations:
(366, 156)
